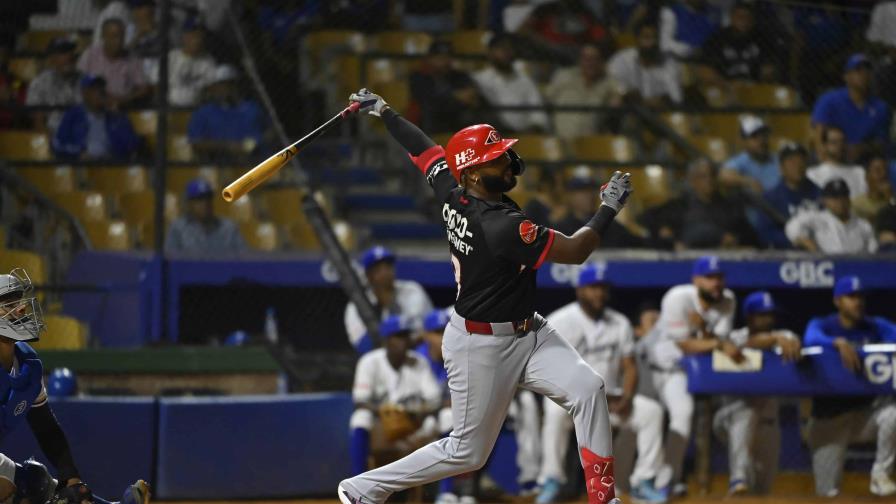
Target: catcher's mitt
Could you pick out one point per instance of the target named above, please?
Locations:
(75, 494)
(397, 422)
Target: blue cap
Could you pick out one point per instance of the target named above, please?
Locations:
(62, 383)
(376, 254)
(193, 23)
(848, 285)
(707, 265)
(758, 302)
(92, 81)
(436, 320)
(855, 61)
(236, 338)
(592, 274)
(198, 188)
(394, 324)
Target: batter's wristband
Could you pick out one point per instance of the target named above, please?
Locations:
(602, 219)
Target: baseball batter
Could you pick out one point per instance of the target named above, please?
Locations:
(495, 342)
(750, 424)
(694, 318)
(604, 338)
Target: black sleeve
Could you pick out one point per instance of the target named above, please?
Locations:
(52, 441)
(509, 234)
(406, 133)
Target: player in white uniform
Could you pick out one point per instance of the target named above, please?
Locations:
(397, 377)
(604, 338)
(388, 295)
(750, 424)
(694, 318)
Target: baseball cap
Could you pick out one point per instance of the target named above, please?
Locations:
(394, 325)
(751, 125)
(581, 177)
(198, 188)
(376, 254)
(436, 320)
(835, 188)
(855, 61)
(61, 45)
(847, 285)
(592, 274)
(791, 149)
(707, 265)
(89, 81)
(758, 302)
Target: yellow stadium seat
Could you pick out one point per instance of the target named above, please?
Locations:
(241, 210)
(283, 206)
(86, 206)
(726, 126)
(145, 123)
(138, 207)
(766, 95)
(604, 148)
(683, 124)
(714, 147)
(716, 97)
(471, 42)
(653, 184)
(301, 235)
(24, 145)
(320, 40)
(50, 180)
(399, 94)
(401, 42)
(260, 235)
(539, 147)
(109, 235)
(348, 74)
(381, 70)
(33, 264)
(118, 180)
(179, 148)
(797, 127)
(63, 333)
(37, 41)
(24, 68)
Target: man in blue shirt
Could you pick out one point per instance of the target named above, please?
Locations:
(795, 192)
(838, 420)
(754, 169)
(865, 119)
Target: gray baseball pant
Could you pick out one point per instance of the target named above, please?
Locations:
(750, 428)
(484, 372)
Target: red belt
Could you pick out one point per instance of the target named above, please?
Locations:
(519, 326)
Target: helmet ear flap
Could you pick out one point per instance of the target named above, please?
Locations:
(517, 165)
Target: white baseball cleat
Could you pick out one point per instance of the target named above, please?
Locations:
(882, 485)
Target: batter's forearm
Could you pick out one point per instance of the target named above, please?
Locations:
(412, 138)
(577, 248)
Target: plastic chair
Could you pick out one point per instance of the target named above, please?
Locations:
(726, 126)
(401, 42)
(766, 95)
(86, 206)
(604, 148)
(24, 68)
(653, 185)
(714, 147)
(471, 42)
(260, 235)
(241, 210)
(110, 235)
(797, 127)
(37, 41)
(539, 147)
(120, 180)
(683, 124)
(50, 180)
(63, 333)
(24, 145)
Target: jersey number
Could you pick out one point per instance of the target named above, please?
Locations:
(456, 264)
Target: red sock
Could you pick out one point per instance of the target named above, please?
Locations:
(599, 480)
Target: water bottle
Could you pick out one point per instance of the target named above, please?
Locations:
(270, 326)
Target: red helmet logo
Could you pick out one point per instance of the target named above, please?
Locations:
(474, 145)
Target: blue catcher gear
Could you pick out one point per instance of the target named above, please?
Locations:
(33, 483)
(18, 393)
(62, 383)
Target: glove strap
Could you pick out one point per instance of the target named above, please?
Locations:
(602, 219)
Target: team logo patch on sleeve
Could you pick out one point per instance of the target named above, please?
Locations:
(528, 231)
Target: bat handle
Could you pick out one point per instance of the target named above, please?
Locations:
(351, 109)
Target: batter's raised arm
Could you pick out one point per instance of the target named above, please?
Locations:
(412, 138)
(575, 249)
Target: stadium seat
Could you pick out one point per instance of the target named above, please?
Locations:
(471, 42)
(86, 206)
(766, 95)
(109, 235)
(539, 147)
(319, 41)
(344, 233)
(179, 148)
(401, 42)
(653, 184)
(118, 180)
(283, 206)
(716, 97)
(797, 127)
(241, 210)
(138, 207)
(63, 333)
(178, 121)
(714, 147)
(348, 74)
(301, 235)
(399, 94)
(35, 265)
(380, 70)
(726, 126)
(37, 41)
(260, 235)
(683, 124)
(24, 68)
(145, 123)
(50, 180)
(604, 148)
(24, 145)
(624, 40)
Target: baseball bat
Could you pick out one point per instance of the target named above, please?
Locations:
(261, 172)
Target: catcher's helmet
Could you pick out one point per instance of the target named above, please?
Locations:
(479, 144)
(20, 315)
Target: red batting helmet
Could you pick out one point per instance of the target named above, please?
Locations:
(475, 145)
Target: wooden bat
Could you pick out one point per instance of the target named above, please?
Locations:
(252, 178)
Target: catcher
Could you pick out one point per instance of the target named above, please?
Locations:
(24, 397)
(396, 397)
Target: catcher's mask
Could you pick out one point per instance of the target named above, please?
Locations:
(20, 315)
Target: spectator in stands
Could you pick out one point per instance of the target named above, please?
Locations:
(835, 229)
(388, 296)
(227, 126)
(503, 84)
(448, 98)
(754, 169)
(863, 117)
(200, 231)
(694, 318)
(838, 420)
(879, 192)
(392, 381)
(832, 154)
(885, 225)
(123, 72)
(116, 9)
(749, 425)
(190, 69)
(92, 130)
(739, 52)
(433, 16)
(686, 25)
(795, 193)
(558, 28)
(57, 85)
(880, 29)
(585, 85)
(12, 88)
(147, 43)
(643, 73)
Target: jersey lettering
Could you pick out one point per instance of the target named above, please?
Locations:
(456, 226)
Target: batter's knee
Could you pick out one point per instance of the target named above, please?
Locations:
(362, 418)
(588, 387)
